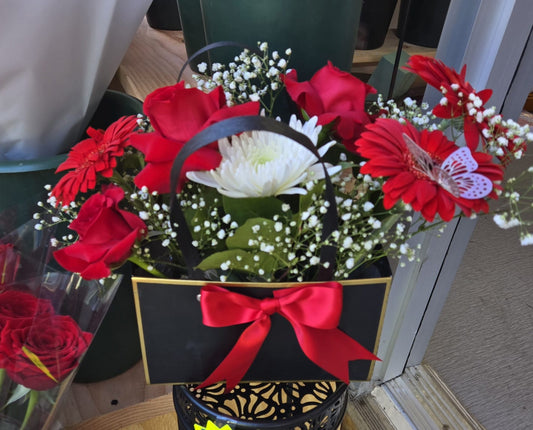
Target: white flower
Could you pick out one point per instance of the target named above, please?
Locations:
(502, 221)
(314, 260)
(526, 239)
(202, 67)
(261, 164)
(368, 206)
(347, 242)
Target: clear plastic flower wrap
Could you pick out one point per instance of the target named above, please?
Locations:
(47, 321)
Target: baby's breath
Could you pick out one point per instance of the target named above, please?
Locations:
(250, 77)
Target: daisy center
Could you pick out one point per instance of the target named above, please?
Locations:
(415, 168)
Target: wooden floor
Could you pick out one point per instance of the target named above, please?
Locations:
(86, 401)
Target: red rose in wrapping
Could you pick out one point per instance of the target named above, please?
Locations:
(18, 304)
(333, 95)
(106, 236)
(39, 353)
(9, 262)
(177, 114)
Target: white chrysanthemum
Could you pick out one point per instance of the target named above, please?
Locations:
(261, 163)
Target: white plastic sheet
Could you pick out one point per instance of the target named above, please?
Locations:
(57, 57)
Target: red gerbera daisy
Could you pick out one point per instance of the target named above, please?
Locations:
(460, 98)
(383, 144)
(93, 156)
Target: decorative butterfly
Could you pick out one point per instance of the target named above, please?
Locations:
(455, 174)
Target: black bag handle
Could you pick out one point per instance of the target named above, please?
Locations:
(227, 128)
(214, 45)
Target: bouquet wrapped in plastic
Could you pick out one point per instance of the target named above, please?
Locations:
(47, 321)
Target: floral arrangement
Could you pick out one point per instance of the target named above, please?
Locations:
(254, 203)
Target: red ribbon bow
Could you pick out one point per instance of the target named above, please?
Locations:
(314, 312)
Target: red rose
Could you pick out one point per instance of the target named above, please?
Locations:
(56, 341)
(9, 262)
(333, 95)
(106, 236)
(18, 304)
(177, 114)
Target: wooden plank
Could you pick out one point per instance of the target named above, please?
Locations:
(154, 414)
(153, 60)
(86, 401)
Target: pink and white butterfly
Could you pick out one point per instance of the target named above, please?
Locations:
(455, 174)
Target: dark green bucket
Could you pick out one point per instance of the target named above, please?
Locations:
(22, 182)
(315, 30)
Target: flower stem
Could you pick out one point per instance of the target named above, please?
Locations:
(145, 266)
(34, 397)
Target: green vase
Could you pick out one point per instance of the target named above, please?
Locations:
(424, 22)
(192, 24)
(164, 15)
(22, 182)
(315, 30)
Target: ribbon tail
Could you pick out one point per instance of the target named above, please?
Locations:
(233, 368)
(332, 350)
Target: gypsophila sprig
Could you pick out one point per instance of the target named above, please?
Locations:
(408, 110)
(518, 196)
(250, 77)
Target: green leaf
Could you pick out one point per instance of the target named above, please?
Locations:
(18, 393)
(255, 231)
(243, 209)
(241, 260)
(199, 214)
(306, 200)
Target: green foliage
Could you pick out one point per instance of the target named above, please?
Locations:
(256, 247)
(243, 261)
(244, 209)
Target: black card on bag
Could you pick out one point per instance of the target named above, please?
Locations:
(178, 348)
